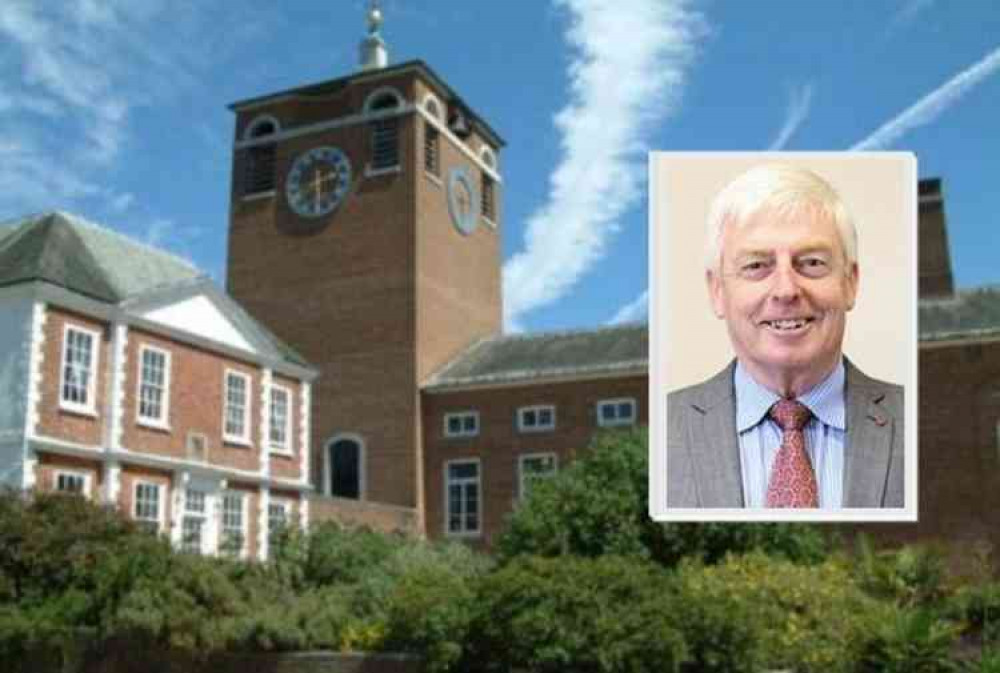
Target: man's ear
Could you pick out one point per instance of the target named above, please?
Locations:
(853, 277)
(715, 293)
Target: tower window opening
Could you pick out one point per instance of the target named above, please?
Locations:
(432, 159)
(384, 101)
(259, 167)
(385, 144)
(487, 198)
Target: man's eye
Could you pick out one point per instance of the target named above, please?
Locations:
(814, 266)
(755, 269)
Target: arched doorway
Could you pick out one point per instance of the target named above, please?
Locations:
(344, 474)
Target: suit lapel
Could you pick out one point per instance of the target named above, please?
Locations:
(714, 439)
(869, 442)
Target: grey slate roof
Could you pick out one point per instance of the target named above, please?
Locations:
(970, 314)
(70, 252)
(520, 358)
(88, 259)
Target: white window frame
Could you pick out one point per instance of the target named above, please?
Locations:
(244, 522)
(488, 157)
(89, 406)
(86, 477)
(288, 446)
(522, 491)
(378, 93)
(537, 408)
(243, 439)
(163, 421)
(478, 481)
(461, 415)
(200, 515)
(433, 106)
(160, 502)
(258, 121)
(617, 422)
(285, 505)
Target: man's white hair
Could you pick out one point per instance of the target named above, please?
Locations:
(783, 190)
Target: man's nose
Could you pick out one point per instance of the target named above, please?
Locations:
(785, 285)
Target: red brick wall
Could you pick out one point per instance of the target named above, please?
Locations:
(342, 295)
(386, 518)
(48, 464)
(196, 399)
(130, 474)
(54, 421)
(959, 461)
(499, 444)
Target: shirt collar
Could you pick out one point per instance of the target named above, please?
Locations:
(825, 400)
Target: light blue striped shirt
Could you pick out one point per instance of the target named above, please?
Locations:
(760, 437)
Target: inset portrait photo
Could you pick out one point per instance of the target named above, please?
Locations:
(783, 329)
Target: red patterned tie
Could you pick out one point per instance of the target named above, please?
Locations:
(793, 483)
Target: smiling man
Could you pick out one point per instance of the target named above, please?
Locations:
(790, 423)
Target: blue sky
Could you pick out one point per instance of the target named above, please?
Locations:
(116, 110)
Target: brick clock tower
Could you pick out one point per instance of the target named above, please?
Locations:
(365, 232)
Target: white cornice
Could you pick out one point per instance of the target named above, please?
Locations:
(319, 127)
(521, 380)
(461, 146)
(75, 449)
(365, 118)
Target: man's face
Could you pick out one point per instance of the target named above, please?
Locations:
(784, 289)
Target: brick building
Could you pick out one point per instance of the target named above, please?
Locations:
(128, 377)
(366, 215)
(365, 231)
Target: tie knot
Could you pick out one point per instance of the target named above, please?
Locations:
(790, 414)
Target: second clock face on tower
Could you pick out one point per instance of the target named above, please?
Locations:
(318, 181)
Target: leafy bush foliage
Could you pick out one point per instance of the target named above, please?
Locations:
(913, 576)
(598, 505)
(601, 615)
(911, 641)
(756, 613)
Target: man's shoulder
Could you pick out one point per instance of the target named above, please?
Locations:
(705, 394)
(892, 393)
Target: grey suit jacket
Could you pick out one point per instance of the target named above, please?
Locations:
(703, 460)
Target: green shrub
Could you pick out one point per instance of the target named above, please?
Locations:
(978, 608)
(598, 506)
(911, 641)
(989, 662)
(586, 615)
(754, 612)
(912, 576)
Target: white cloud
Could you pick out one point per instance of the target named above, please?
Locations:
(74, 72)
(626, 74)
(928, 108)
(157, 230)
(923, 112)
(908, 10)
(799, 102)
(635, 310)
(120, 202)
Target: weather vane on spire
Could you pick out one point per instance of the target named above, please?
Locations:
(374, 54)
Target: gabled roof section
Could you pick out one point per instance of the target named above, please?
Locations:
(526, 358)
(90, 260)
(49, 249)
(83, 257)
(199, 307)
(968, 315)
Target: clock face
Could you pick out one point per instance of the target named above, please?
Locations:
(462, 201)
(318, 181)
